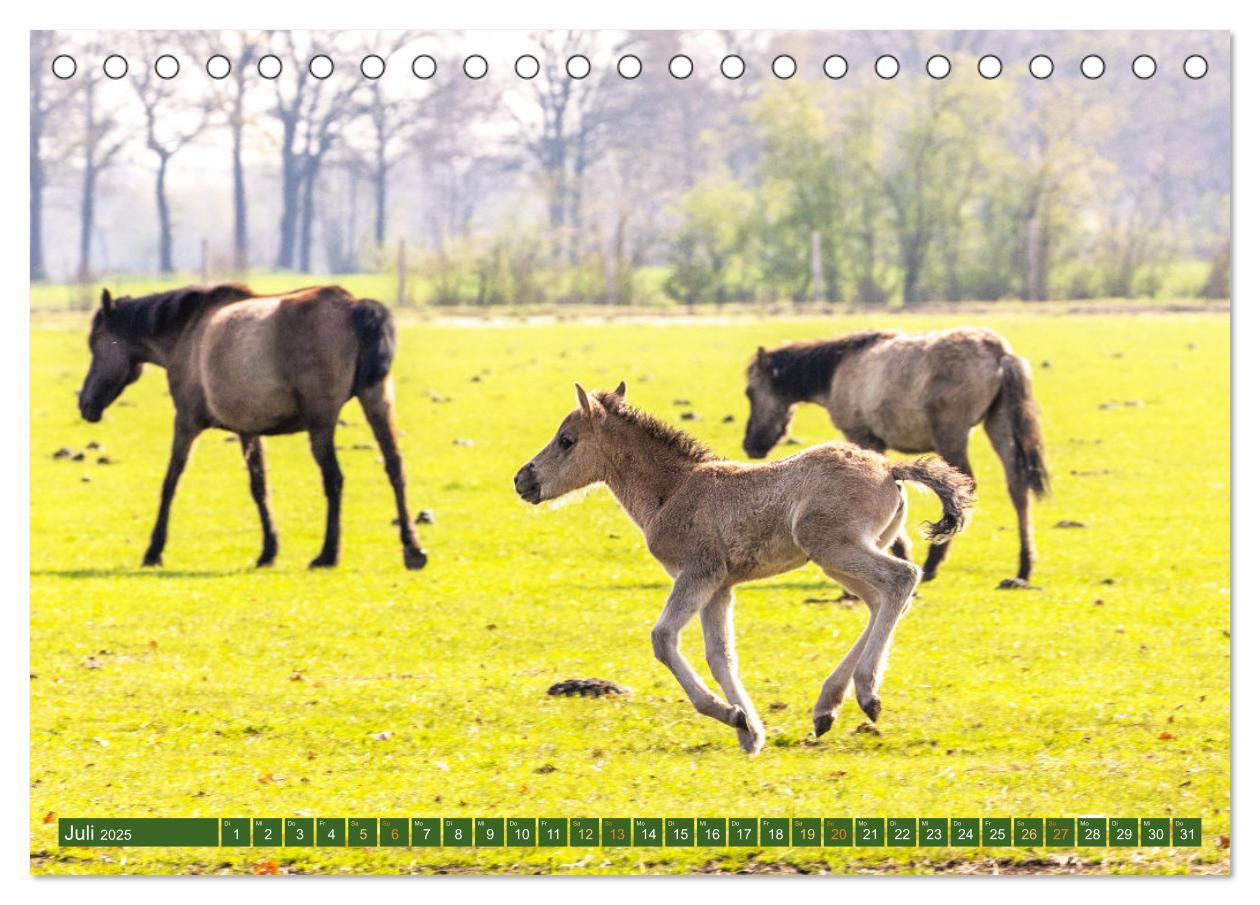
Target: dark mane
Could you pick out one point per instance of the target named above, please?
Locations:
(670, 436)
(150, 315)
(802, 370)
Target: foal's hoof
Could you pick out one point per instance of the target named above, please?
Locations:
(822, 724)
(871, 707)
(414, 558)
(740, 721)
(751, 742)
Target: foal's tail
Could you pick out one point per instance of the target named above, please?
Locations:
(1016, 400)
(956, 490)
(374, 328)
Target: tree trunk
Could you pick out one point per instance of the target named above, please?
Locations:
(38, 272)
(165, 265)
(240, 225)
(381, 186)
(290, 192)
(307, 217)
(87, 214)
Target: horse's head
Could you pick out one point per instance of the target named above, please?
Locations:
(573, 458)
(769, 414)
(116, 363)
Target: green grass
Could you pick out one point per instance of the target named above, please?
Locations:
(225, 691)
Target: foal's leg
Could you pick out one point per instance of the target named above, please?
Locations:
(378, 406)
(181, 446)
(836, 685)
(691, 592)
(252, 447)
(893, 581)
(953, 449)
(326, 455)
(717, 619)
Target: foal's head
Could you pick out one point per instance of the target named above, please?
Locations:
(116, 363)
(769, 413)
(573, 459)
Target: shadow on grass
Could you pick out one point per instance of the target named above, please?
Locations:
(123, 572)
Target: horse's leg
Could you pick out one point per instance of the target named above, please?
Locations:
(326, 456)
(1002, 435)
(252, 447)
(181, 446)
(378, 406)
(692, 590)
(953, 449)
(717, 619)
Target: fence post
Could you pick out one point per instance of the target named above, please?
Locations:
(402, 273)
(205, 261)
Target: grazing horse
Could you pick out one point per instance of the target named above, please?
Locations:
(915, 393)
(256, 365)
(714, 523)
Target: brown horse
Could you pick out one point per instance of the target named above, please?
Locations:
(915, 393)
(713, 524)
(256, 365)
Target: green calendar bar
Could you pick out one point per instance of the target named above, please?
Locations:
(680, 832)
(393, 832)
(138, 831)
(643, 832)
(522, 832)
(901, 831)
(553, 831)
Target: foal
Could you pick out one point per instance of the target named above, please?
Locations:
(714, 523)
(256, 365)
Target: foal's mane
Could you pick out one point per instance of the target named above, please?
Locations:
(153, 314)
(677, 440)
(804, 369)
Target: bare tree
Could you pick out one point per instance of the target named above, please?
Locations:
(100, 142)
(311, 112)
(48, 98)
(171, 122)
(230, 96)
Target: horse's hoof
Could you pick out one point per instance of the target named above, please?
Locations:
(323, 562)
(414, 558)
(264, 561)
(741, 720)
(822, 724)
(871, 707)
(151, 560)
(927, 576)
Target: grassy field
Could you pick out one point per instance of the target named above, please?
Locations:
(207, 688)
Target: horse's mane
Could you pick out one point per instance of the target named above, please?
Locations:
(801, 370)
(150, 315)
(673, 438)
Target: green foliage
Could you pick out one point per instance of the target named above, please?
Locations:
(226, 691)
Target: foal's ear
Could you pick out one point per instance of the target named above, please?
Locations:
(620, 392)
(763, 357)
(584, 401)
(107, 302)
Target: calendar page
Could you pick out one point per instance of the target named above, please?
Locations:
(630, 452)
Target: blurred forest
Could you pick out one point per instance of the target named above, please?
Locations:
(647, 191)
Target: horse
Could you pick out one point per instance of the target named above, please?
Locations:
(914, 393)
(256, 365)
(714, 523)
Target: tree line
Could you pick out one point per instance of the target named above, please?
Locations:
(510, 190)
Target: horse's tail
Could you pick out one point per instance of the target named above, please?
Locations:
(374, 328)
(1015, 401)
(956, 490)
